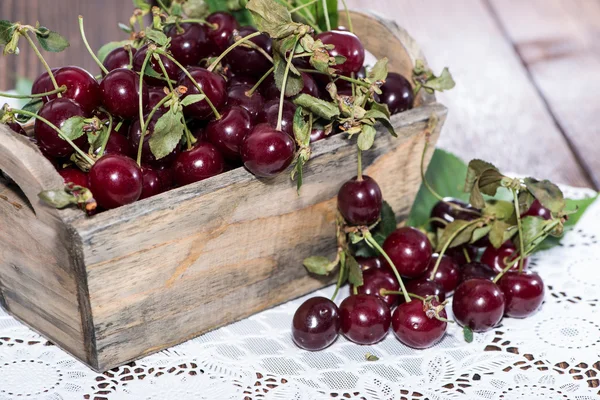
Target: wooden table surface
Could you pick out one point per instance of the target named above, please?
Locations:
(527, 72)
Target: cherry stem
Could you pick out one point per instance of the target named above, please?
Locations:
(348, 16)
(61, 134)
(342, 77)
(286, 73)
(163, 6)
(447, 245)
(61, 89)
(359, 166)
(110, 124)
(342, 257)
(87, 46)
(130, 53)
(145, 124)
(164, 71)
(118, 126)
(306, 13)
(385, 292)
(140, 94)
(466, 254)
(296, 9)
(326, 13)
(354, 290)
(43, 61)
(233, 46)
(250, 92)
(189, 138)
(507, 268)
(369, 238)
(520, 228)
(353, 86)
(196, 84)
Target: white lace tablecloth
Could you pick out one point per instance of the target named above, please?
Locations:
(553, 355)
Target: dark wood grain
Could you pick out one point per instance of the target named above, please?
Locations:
(496, 113)
(100, 16)
(558, 42)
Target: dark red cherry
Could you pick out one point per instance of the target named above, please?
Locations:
(166, 176)
(236, 96)
(120, 93)
(135, 134)
(444, 211)
(498, 259)
(346, 45)
(16, 127)
(43, 83)
(524, 293)
(222, 29)
(316, 324)
(415, 325)
(75, 176)
(368, 262)
(249, 61)
(410, 251)
(228, 132)
(364, 319)
(269, 89)
(266, 152)
(117, 144)
(424, 287)
(213, 86)
(271, 113)
(115, 181)
(247, 80)
(458, 254)
(475, 269)
(172, 69)
(317, 133)
(57, 111)
(397, 93)
(82, 87)
(189, 43)
(151, 183)
(310, 86)
(447, 274)
(199, 163)
(360, 201)
(375, 279)
(118, 58)
(537, 210)
(478, 304)
(155, 95)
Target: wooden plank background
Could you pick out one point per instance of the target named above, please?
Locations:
(526, 70)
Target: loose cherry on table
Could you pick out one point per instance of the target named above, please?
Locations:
(360, 201)
(347, 45)
(81, 86)
(316, 324)
(498, 258)
(537, 210)
(424, 287)
(119, 91)
(118, 58)
(397, 93)
(228, 133)
(266, 152)
(246, 60)
(367, 263)
(524, 293)
(57, 111)
(213, 86)
(135, 134)
(410, 251)
(444, 211)
(115, 180)
(364, 319)
(190, 43)
(16, 127)
(475, 269)
(201, 162)
(479, 304)
(447, 274)
(170, 67)
(75, 176)
(223, 26)
(151, 183)
(415, 324)
(271, 113)
(376, 279)
(254, 104)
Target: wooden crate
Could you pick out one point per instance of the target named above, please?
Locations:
(132, 281)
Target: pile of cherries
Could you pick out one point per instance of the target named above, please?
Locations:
(245, 134)
(478, 302)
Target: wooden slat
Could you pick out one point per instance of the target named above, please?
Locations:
(558, 42)
(495, 112)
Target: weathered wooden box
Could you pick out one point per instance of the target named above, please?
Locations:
(134, 280)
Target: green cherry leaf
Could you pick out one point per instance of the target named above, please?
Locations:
(51, 41)
(526, 199)
(319, 265)
(196, 8)
(142, 5)
(482, 177)
(273, 18)
(547, 193)
(366, 138)
(301, 128)
(379, 72)
(73, 127)
(532, 227)
(380, 116)
(33, 106)
(58, 198)
(124, 27)
(355, 277)
(7, 30)
(192, 98)
(371, 357)
(501, 209)
(501, 232)
(479, 233)
(383, 108)
(294, 83)
(442, 82)
(321, 108)
(468, 334)
(156, 36)
(110, 46)
(462, 238)
(167, 133)
(95, 139)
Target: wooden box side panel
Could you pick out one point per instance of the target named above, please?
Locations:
(202, 256)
